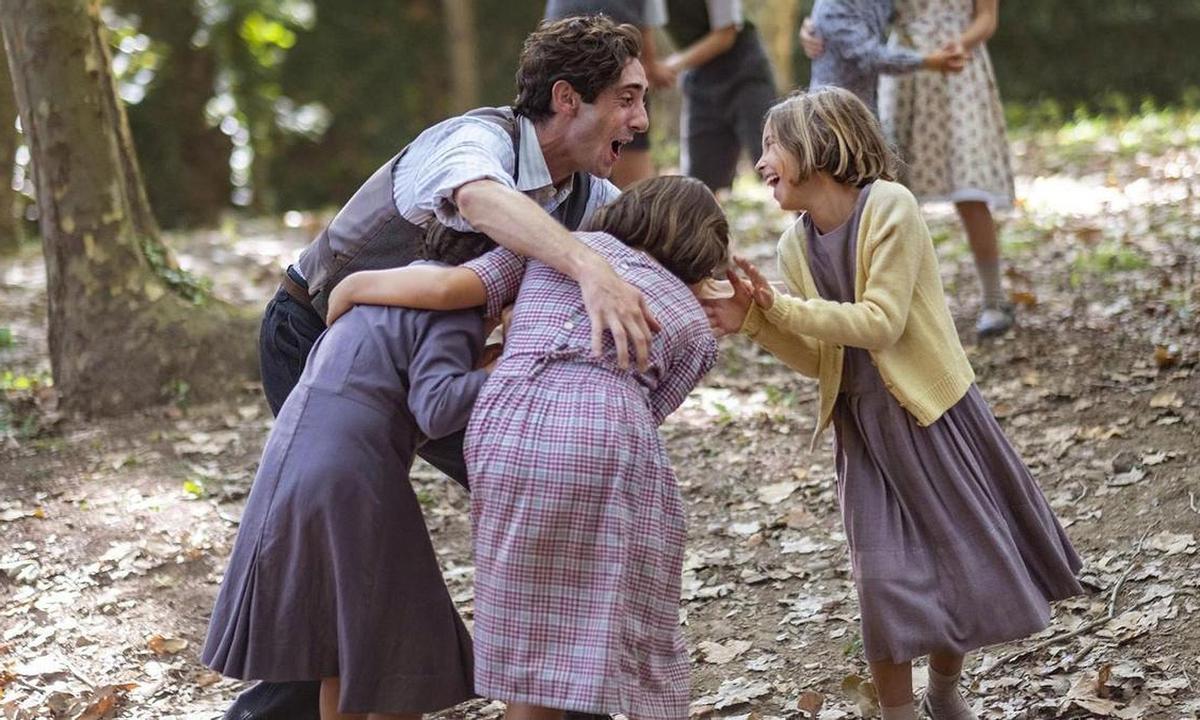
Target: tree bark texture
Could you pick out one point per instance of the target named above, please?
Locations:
(120, 335)
(10, 226)
(461, 44)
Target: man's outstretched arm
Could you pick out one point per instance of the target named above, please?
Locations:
(517, 223)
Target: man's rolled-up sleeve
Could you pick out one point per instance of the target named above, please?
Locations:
(476, 150)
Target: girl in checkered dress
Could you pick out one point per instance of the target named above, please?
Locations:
(578, 520)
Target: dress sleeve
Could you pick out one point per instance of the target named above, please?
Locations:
(852, 36)
(723, 13)
(800, 353)
(442, 380)
(686, 370)
(501, 271)
(654, 13)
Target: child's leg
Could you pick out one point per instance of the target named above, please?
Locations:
(521, 711)
(893, 683)
(943, 701)
(981, 236)
(331, 690)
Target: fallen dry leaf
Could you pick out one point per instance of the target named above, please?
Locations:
(160, 645)
(720, 654)
(776, 493)
(1166, 399)
(810, 702)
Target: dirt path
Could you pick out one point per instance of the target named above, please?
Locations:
(113, 534)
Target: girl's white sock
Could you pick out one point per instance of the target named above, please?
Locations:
(990, 284)
(944, 701)
(901, 712)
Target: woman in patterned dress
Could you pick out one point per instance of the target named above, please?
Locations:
(578, 521)
(949, 130)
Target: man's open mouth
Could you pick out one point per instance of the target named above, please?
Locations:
(616, 147)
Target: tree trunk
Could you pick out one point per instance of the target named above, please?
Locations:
(461, 44)
(126, 326)
(780, 37)
(9, 226)
(186, 161)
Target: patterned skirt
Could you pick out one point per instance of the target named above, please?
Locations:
(579, 539)
(948, 128)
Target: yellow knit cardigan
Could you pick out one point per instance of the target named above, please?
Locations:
(899, 315)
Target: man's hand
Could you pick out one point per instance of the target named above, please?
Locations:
(618, 307)
(813, 44)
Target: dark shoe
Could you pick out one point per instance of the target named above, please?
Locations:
(993, 322)
(278, 701)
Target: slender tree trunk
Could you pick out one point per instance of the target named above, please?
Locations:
(125, 325)
(186, 161)
(9, 226)
(780, 37)
(461, 44)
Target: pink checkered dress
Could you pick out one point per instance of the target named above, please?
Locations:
(578, 520)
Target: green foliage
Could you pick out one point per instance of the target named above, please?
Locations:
(1109, 256)
(6, 337)
(268, 40)
(196, 290)
(177, 392)
(10, 381)
(193, 487)
(853, 646)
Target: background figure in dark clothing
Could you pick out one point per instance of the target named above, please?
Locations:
(728, 86)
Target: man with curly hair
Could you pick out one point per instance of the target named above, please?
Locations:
(525, 175)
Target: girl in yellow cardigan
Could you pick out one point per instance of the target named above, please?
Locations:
(953, 545)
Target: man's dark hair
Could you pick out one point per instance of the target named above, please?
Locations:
(453, 247)
(588, 51)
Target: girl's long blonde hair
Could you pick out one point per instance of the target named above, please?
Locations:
(831, 130)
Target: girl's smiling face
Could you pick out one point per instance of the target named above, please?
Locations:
(778, 170)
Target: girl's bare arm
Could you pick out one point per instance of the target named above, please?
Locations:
(425, 287)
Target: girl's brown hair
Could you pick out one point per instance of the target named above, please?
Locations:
(831, 130)
(675, 219)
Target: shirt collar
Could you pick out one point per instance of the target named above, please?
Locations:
(534, 175)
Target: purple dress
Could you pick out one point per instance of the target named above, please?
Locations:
(953, 545)
(578, 520)
(333, 573)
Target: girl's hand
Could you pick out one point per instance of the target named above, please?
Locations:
(726, 315)
(490, 355)
(813, 44)
(761, 290)
(951, 58)
(341, 299)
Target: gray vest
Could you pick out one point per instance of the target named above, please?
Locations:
(369, 233)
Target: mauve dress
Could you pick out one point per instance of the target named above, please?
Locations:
(333, 572)
(577, 516)
(952, 543)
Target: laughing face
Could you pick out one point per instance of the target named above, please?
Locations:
(601, 128)
(778, 170)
